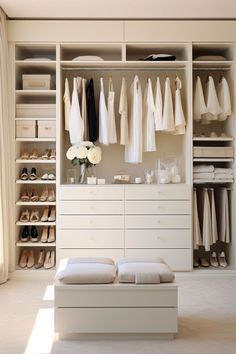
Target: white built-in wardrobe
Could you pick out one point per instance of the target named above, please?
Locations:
(123, 220)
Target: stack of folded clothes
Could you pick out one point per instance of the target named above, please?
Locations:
(209, 172)
(224, 173)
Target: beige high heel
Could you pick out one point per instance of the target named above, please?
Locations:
(44, 236)
(30, 260)
(45, 215)
(40, 259)
(51, 236)
(51, 195)
(44, 195)
(23, 259)
(52, 216)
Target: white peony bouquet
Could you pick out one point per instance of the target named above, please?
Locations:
(84, 154)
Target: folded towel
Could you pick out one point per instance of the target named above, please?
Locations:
(224, 176)
(204, 175)
(224, 170)
(147, 278)
(203, 168)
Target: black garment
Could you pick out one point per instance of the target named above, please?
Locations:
(160, 57)
(91, 112)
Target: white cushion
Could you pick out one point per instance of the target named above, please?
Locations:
(144, 271)
(86, 271)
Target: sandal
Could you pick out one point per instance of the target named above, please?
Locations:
(45, 155)
(34, 197)
(34, 217)
(33, 175)
(25, 216)
(24, 174)
(24, 196)
(34, 155)
(53, 154)
(25, 155)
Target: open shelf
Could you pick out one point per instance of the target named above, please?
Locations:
(39, 223)
(19, 202)
(205, 181)
(36, 161)
(35, 64)
(36, 139)
(35, 244)
(35, 92)
(198, 159)
(213, 139)
(37, 181)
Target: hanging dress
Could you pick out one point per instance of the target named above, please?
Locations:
(213, 216)
(92, 114)
(212, 103)
(197, 239)
(111, 114)
(133, 151)
(180, 122)
(207, 222)
(168, 121)
(103, 117)
(199, 105)
(67, 105)
(223, 93)
(123, 110)
(76, 124)
(149, 139)
(158, 105)
(223, 215)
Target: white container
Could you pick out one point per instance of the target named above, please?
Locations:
(26, 129)
(46, 128)
(37, 82)
(35, 110)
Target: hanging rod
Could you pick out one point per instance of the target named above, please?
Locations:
(211, 69)
(122, 69)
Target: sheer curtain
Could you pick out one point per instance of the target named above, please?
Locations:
(6, 158)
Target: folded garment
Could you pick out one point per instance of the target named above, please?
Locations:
(224, 176)
(87, 58)
(160, 57)
(203, 175)
(210, 58)
(203, 168)
(224, 170)
(37, 59)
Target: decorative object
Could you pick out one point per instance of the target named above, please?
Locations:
(101, 181)
(71, 176)
(168, 171)
(91, 180)
(120, 179)
(149, 174)
(138, 180)
(86, 155)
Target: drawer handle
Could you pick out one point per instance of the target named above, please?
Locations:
(26, 128)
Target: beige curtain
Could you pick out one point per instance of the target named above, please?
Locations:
(6, 157)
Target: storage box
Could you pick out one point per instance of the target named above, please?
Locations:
(37, 82)
(46, 128)
(36, 110)
(26, 129)
(213, 151)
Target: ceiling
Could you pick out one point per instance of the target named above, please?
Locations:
(119, 9)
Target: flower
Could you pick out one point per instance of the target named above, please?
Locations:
(71, 152)
(87, 144)
(81, 152)
(94, 155)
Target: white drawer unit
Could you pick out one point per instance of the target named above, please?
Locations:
(81, 207)
(91, 193)
(158, 192)
(158, 207)
(158, 221)
(91, 222)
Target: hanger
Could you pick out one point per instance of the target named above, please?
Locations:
(208, 75)
(221, 78)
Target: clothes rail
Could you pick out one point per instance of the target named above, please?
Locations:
(211, 69)
(121, 69)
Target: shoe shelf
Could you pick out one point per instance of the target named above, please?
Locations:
(19, 202)
(37, 181)
(35, 244)
(33, 269)
(39, 223)
(32, 161)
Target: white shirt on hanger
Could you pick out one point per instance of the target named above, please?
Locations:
(123, 110)
(158, 105)
(179, 114)
(81, 83)
(212, 103)
(168, 122)
(133, 151)
(103, 117)
(67, 105)
(149, 139)
(111, 114)
(197, 238)
(224, 99)
(199, 105)
(76, 124)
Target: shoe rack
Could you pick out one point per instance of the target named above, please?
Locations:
(35, 239)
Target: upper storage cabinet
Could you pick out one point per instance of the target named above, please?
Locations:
(35, 52)
(211, 52)
(140, 51)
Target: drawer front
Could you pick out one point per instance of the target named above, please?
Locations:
(90, 239)
(91, 193)
(178, 260)
(91, 222)
(158, 239)
(78, 252)
(158, 222)
(91, 207)
(46, 131)
(158, 207)
(158, 192)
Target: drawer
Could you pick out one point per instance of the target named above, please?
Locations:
(26, 129)
(178, 260)
(158, 207)
(158, 192)
(90, 239)
(37, 82)
(91, 222)
(115, 254)
(36, 110)
(91, 207)
(91, 193)
(158, 238)
(158, 222)
(46, 128)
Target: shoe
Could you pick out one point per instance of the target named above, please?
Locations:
(51, 177)
(44, 195)
(51, 234)
(51, 195)
(53, 154)
(24, 174)
(25, 155)
(44, 236)
(34, 196)
(213, 135)
(40, 258)
(25, 216)
(52, 216)
(25, 234)
(34, 155)
(222, 260)
(25, 196)
(33, 175)
(196, 263)
(23, 259)
(34, 237)
(45, 215)
(30, 259)
(44, 177)
(45, 155)
(34, 217)
(213, 260)
(204, 262)
(49, 260)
